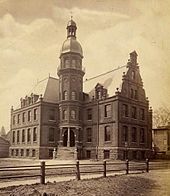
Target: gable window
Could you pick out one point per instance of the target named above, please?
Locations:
(18, 120)
(23, 117)
(134, 134)
(133, 75)
(142, 114)
(99, 95)
(89, 114)
(51, 134)
(13, 120)
(28, 135)
(107, 134)
(65, 95)
(64, 114)
(29, 115)
(51, 114)
(125, 110)
(134, 112)
(73, 95)
(73, 114)
(107, 112)
(136, 94)
(35, 114)
(89, 134)
(13, 137)
(35, 134)
(23, 135)
(125, 134)
(142, 135)
(18, 136)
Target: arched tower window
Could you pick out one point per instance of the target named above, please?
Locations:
(64, 114)
(73, 114)
(73, 95)
(73, 63)
(65, 95)
(67, 63)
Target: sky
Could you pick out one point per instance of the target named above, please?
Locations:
(32, 33)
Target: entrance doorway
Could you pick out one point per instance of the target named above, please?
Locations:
(71, 140)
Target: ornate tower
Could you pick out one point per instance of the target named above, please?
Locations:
(70, 74)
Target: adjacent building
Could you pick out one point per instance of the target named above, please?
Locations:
(161, 141)
(69, 117)
(4, 148)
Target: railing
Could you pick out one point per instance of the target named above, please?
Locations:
(79, 169)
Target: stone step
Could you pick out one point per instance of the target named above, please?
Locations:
(66, 153)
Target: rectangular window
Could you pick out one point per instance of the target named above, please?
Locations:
(136, 94)
(89, 114)
(51, 134)
(131, 93)
(35, 134)
(33, 153)
(51, 114)
(142, 114)
(134, 112)
(12, 152)
(50, 153)
(27, 152)
(22, 152)
(134, 134)
(88, 154)
(125, 110)
(107, 110)
(18, 118)
(18, 136)
(125, 134)
(106, 154)
(142, 135)
(13, 137)
(29, 116)
(35, 114)
(28, 135)
(107, 134)
(23, 135)
(23, 117)
(13, 120)
(134, 155)
(89, 134)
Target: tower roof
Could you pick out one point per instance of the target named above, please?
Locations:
(71, 44)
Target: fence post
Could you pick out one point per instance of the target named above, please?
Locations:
(42, 172)
(104, 169)
(147, 165)
(77, 170)
(127, 166)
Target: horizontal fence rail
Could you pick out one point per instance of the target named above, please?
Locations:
(78, 169)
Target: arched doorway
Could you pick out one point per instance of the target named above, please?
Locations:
(71, 141)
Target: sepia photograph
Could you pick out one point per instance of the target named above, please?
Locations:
(84, 97)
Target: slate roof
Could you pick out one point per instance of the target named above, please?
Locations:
(110, 80)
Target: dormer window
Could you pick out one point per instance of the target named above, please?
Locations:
(99, 95)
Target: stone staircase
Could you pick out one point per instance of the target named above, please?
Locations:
(66, 153)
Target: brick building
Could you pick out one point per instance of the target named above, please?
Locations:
(103, 117)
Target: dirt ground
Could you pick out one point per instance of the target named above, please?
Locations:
(149, 184)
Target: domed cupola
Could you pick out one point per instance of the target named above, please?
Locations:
(71, 45)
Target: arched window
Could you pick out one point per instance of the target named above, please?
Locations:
(64, 114)
(65, 95)
(133, 75)
(73, 114)
(67, 63)
(73, 95)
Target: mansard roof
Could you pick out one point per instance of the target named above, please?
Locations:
(49, 89)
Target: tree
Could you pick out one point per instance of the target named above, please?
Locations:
(161, 116)
(2, 132)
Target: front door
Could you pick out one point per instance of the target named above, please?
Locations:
(72, 138)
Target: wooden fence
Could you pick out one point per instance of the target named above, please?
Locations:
(78, 169)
